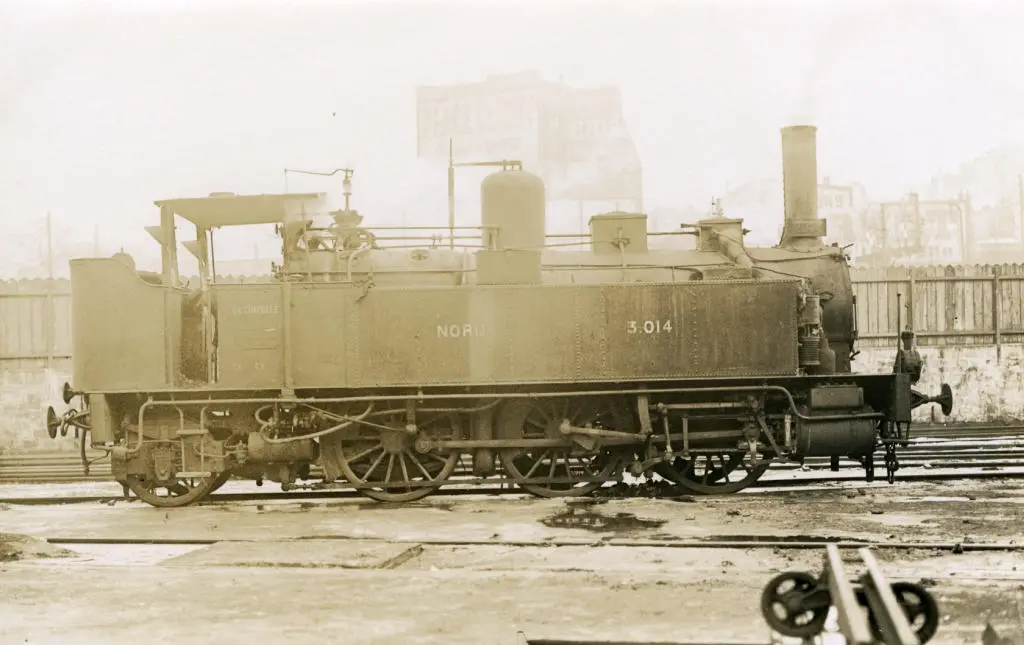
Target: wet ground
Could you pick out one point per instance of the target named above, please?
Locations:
(474, 570)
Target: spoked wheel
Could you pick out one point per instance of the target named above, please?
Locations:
(918, 606)
(563, 471)
(388, 461)
(177, 491)
(713, 474)
(783, 608)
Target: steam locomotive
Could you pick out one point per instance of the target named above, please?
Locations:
(392, 368)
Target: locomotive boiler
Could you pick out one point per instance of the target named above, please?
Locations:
(368, 364)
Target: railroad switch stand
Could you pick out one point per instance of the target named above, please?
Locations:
(869, 611)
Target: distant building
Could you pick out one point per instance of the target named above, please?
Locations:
(990, 188)
(761, 205)
(990, 179)
(843, 208)
(914, 232)
(576, 139)
(999, 253)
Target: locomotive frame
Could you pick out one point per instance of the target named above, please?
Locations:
(385, 369)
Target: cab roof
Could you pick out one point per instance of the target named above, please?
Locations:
(228, 209)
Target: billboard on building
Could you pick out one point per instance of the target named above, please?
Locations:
(484, 121)
(576, 139)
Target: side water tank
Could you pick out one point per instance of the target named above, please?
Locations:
(513, 203)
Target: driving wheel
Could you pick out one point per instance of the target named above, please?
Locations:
(713, 474)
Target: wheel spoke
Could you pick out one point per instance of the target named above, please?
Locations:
(537, 424)
(365, 453)
(376, 463)
(419, 464)
(405, 472)
(577, 412)
(537, 463)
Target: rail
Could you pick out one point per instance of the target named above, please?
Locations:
(80, 493)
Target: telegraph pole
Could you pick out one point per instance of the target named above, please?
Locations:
(48, 316)
(451, 194)
(1020, 206)
(49, 246)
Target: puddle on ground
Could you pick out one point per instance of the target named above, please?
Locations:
(579, 516)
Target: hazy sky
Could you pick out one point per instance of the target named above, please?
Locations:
(107, 106)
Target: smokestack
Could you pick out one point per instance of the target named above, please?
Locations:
(802, 227)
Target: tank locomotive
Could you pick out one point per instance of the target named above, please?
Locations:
(394, 370)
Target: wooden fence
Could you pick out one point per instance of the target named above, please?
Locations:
(35, 321)
(945, 305)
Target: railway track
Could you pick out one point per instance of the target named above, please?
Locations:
(49, 472)
(931, 443)
(976, 453)
(744, 542)
(494, 489)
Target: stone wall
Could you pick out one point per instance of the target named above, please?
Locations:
(986, 389)
(26, 388)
